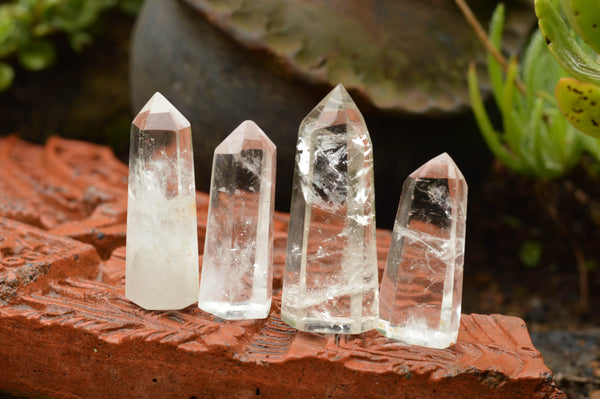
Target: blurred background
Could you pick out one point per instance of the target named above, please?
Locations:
(82, 69)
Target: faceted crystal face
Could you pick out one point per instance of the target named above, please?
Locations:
(162, 245)
(330, 282)
(421, 287)
(237, 267)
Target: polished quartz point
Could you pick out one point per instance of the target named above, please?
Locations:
(237, 267)
(162, 241)
(421, 289)
(330, 281)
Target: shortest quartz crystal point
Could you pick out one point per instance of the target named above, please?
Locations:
(237, 268)
(421, 288)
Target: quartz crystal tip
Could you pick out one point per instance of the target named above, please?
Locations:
(336, 108)
(237, 267)
(421, 287)
(162, 242)
(330, 281)
(246, 136)
(440, 167)
(160, 114)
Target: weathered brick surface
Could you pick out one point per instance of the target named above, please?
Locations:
(67, 330)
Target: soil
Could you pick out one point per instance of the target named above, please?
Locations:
(532, 252)
(532, 246)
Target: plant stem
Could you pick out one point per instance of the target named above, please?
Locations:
(485, 40)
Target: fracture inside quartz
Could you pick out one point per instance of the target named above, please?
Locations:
(330, 279)
(238, 263)
(421, 287)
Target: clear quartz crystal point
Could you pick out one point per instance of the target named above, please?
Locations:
(330, 281)
(237, 268)
(421, 288)
(162, 239)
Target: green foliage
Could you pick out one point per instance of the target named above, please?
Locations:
(28, 27)
(531, 253)
(37, 54)
(536, 141)
(574, 96)
(7, 75)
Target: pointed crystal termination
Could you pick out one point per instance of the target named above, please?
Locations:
(421, 288)
(162, 241)
(237, 267)
(330, 281)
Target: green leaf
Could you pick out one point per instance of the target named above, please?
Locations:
(8, 32)
(131, 7)
(80, 40)
(584, 17)
(591, 146)
(540, 71)
(7, 23)
(494, 68)
(7, 75)
(43, 29)
(75, 15)
(531, 253)
(490, 135)
(591, 265)
(579, 102)
(514, 126)
(37, 55)
(563, 46)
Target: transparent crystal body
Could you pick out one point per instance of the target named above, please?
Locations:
(330, 281)
(421, 288)
(237, 267)
(162, 239)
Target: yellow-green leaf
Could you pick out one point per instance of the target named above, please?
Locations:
(584, 17)
(37, 55)
(579, 102)
(7, 75)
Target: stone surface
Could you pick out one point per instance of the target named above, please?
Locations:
(73, 333)
(162, 245)
(421, 288)
(237, 267)
(330, 281)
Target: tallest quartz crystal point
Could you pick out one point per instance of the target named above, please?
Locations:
(330, 280)
(162, 239)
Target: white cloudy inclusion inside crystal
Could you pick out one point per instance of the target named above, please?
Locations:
(421, 288)
(237, 266)
(330, 280)
(162, 241)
